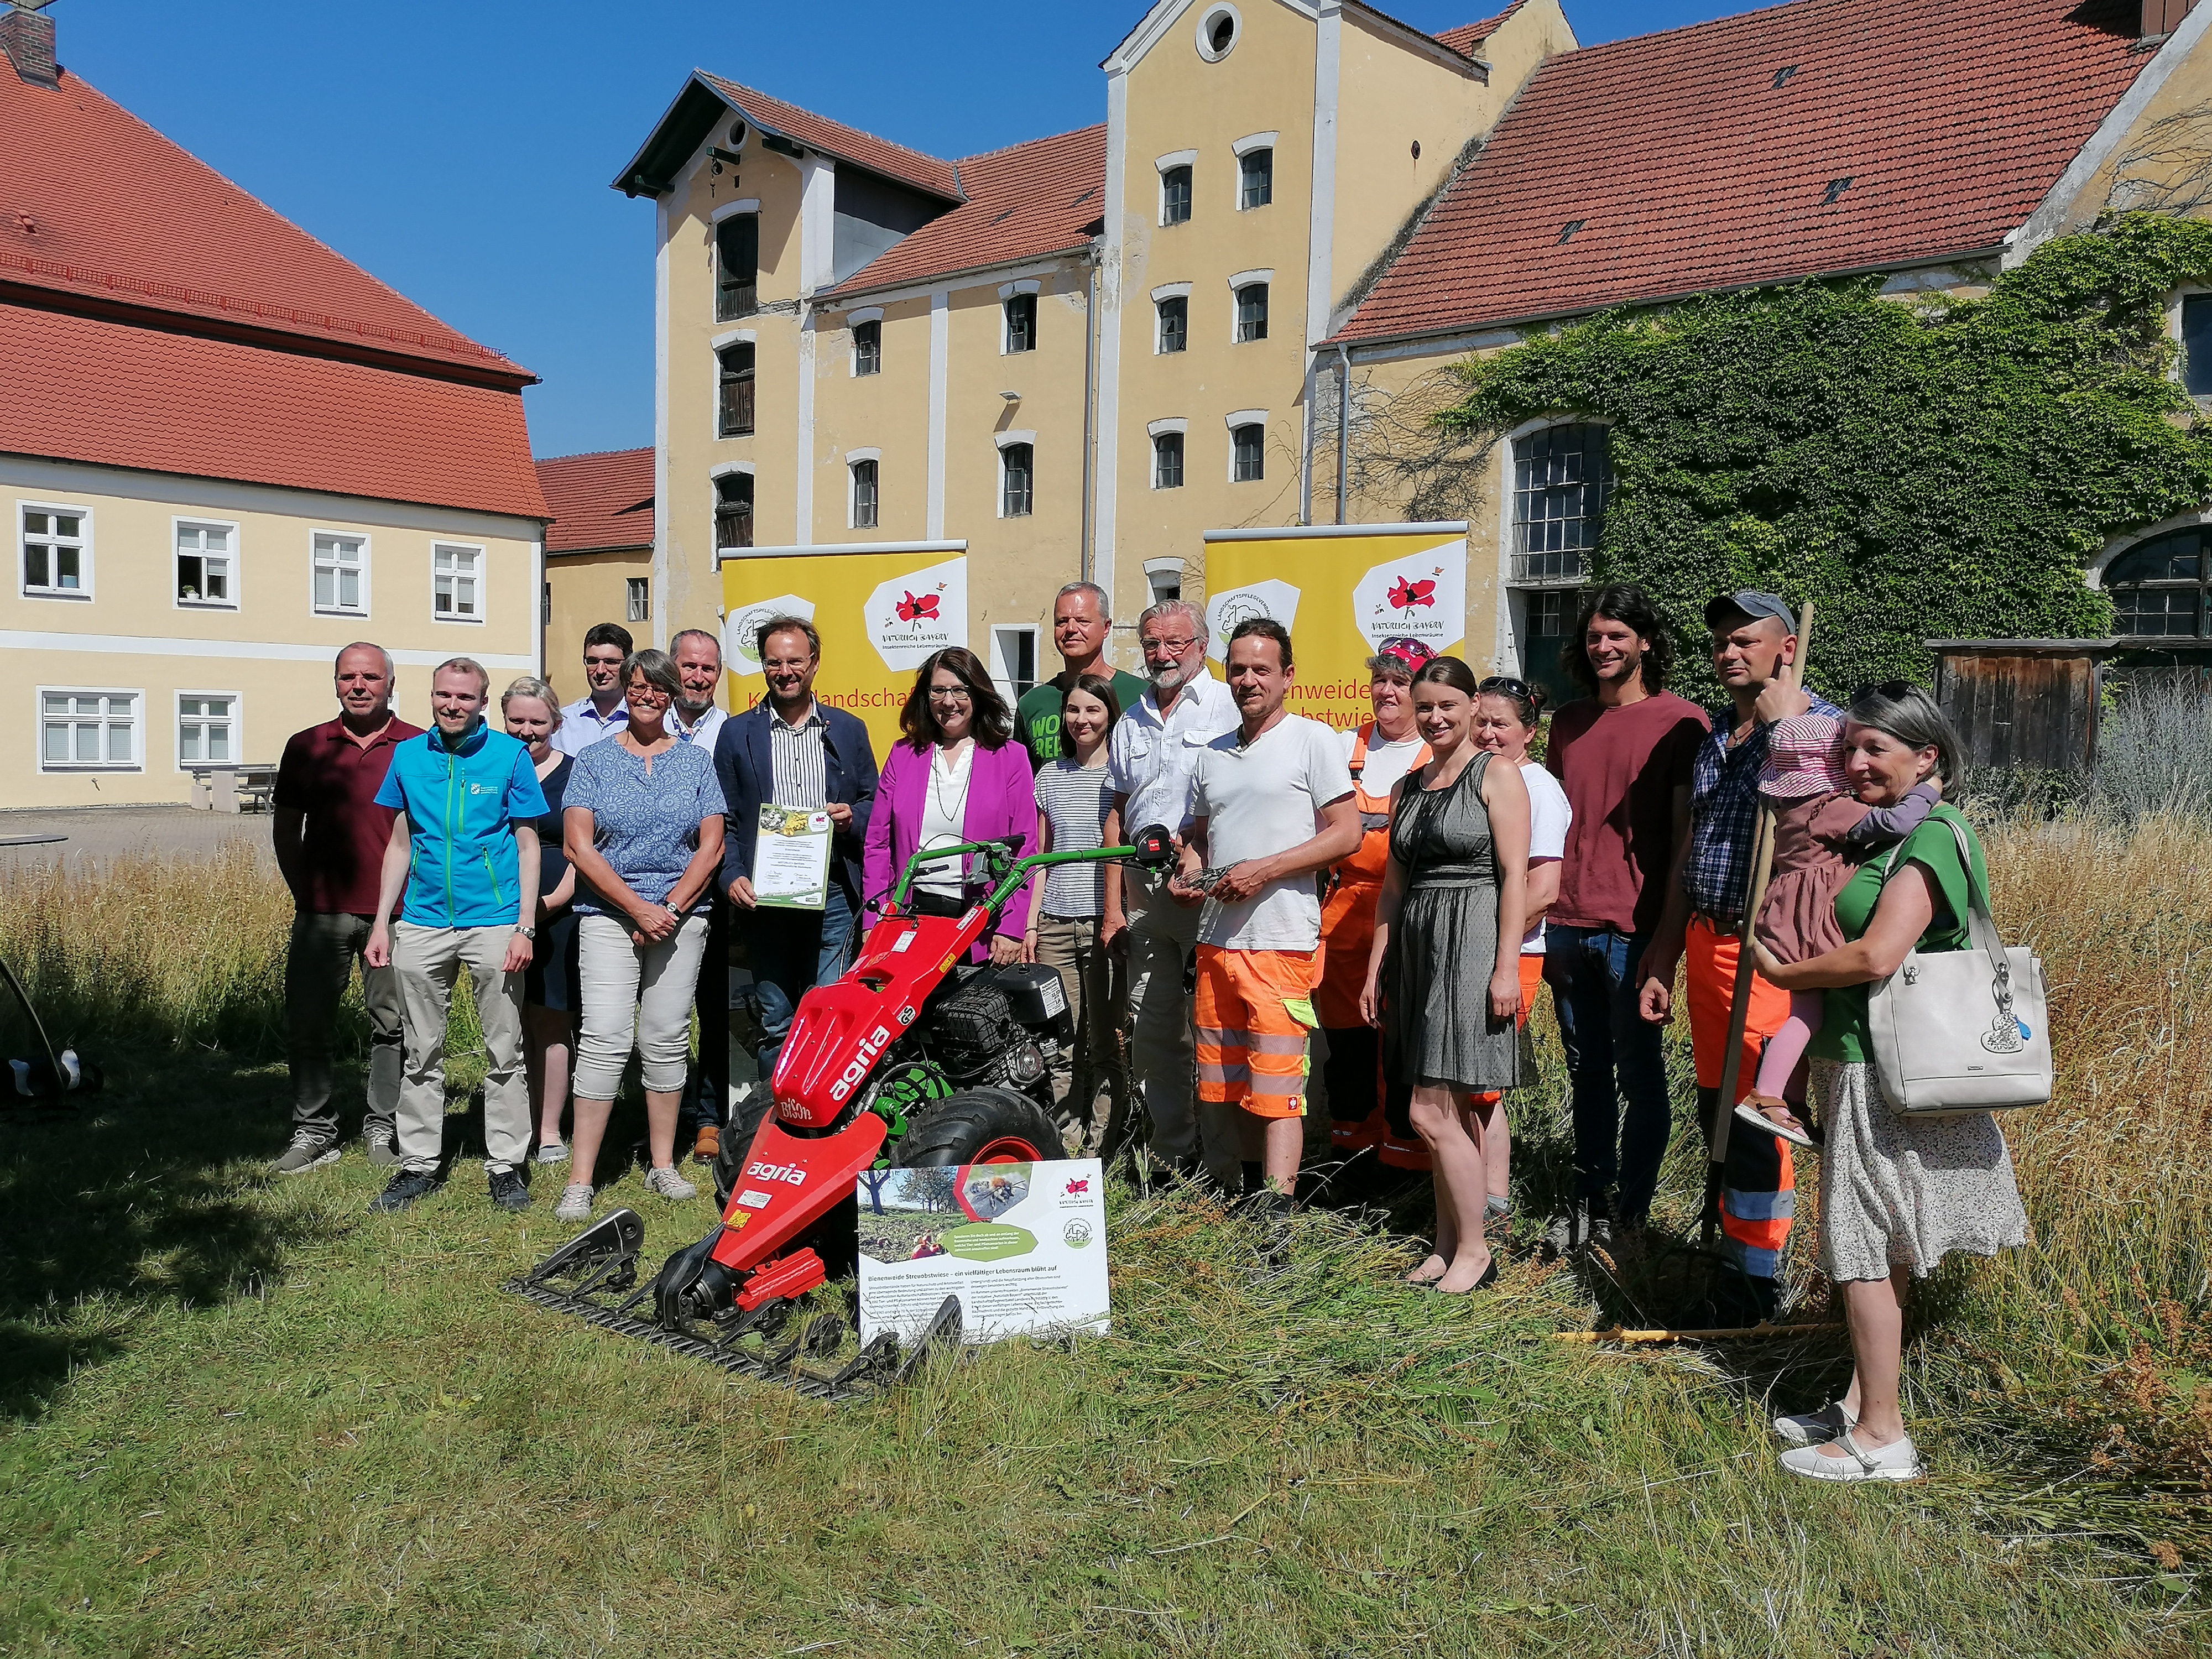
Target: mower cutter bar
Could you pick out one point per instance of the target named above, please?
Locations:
(864, 1379)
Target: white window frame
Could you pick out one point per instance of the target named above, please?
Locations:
(236, 719)
(1008, 292)
(1244, 146)
(853, 321)
(83, 591)
(481, 576)
(1160, 574)
(1234, 419)
(178, 524)
(1204, 37)
(1160, 296)
(315, 532)
(852, 459)
(1002, 670)
(632, 593)
(138, 695)
(1005, 441)
(1156, 429)
(1166, 164)
(1237, 285)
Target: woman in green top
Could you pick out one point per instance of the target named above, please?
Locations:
(1896, 1192)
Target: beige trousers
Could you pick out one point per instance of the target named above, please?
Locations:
(427, 961)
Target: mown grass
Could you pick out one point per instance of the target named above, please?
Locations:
(245, 1416)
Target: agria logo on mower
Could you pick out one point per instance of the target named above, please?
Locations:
(790, 1174)
(871, 1045)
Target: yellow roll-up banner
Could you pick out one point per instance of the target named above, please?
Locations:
(882, 612)
(1341, 590)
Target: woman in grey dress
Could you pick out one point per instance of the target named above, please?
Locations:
(1897, 1192)
(1445, 994)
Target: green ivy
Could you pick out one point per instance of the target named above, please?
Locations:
(1931, 468)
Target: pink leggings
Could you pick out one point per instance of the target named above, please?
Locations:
(1781, 1063)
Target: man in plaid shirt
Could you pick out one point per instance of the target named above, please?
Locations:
(1754, 636)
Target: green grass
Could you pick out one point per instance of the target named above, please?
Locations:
(239, 1415)
(246, 1417)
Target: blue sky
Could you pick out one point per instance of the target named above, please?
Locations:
(462, 152)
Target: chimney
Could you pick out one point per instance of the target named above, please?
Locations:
(2159, 17)
(27, 35)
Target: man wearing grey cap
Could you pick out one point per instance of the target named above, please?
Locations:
(1753, 638)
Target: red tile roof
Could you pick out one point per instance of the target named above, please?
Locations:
(599, 500)
(835, 138)
(1467, 36)
(1023, 203)
(97, 205)
(1704, 158)
(94, 389)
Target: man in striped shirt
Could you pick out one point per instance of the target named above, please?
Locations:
(789, 750)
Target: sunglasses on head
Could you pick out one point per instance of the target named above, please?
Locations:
(1892, 690)
(1505, 683)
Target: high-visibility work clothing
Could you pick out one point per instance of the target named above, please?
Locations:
(1255, 1013)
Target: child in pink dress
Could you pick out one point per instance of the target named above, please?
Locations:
(1822, 835)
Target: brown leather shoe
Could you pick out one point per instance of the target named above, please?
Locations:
(709, 1143)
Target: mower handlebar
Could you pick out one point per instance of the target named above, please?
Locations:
(1154, 848)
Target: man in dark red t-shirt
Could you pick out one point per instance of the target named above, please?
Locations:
(1623, 755)
(330, 837)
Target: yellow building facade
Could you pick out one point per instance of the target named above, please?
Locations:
(1236, 303)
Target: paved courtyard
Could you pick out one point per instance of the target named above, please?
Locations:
(97, 836)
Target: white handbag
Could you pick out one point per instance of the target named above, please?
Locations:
(1957, 1031)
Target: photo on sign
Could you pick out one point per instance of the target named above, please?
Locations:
(907, 1214)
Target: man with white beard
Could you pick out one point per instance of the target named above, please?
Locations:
(1149, 757)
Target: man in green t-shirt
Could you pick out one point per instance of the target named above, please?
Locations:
(1081, 620)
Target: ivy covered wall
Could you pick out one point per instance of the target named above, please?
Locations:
(1926, 468)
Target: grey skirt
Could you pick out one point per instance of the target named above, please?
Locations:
(1907, 1191)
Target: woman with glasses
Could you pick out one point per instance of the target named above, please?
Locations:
(532, 713)
(954, 777)
(1440, 981)
(642, 823)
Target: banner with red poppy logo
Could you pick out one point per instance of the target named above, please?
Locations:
(1343, 591)
(882, 612)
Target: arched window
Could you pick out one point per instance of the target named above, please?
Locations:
(733, 511)
(2158, 588)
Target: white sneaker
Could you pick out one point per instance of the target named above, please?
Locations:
(670, 1185)
(576, 1203)
(1898, 1461)
(1817, 1428)
(309, 1151)
(552, 1151)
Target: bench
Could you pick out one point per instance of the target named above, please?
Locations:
(233, 788)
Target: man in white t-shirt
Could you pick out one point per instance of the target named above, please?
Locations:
(1271, 807)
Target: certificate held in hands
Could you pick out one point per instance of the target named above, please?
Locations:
(791, 858)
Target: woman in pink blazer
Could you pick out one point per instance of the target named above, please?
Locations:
(956, 777)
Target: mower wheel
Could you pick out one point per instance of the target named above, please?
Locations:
(979, 1126)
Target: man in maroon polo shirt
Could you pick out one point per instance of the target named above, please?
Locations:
(330, 837)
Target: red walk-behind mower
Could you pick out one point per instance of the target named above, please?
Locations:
(914, 1058)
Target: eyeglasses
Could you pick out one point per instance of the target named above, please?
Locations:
(650, 693)
(1892, 690)
(1180, 645)
(951, 694)
(1505, 683)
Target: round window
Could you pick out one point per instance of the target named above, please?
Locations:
(1217, 33)
(736, 135)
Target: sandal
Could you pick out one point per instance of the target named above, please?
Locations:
(1753, 1109)
(1896, 1462)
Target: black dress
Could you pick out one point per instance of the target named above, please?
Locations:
(1437, 1028)
(550, 982)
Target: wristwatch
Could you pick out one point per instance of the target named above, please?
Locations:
(530, 933)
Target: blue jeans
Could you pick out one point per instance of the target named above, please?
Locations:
(1615, 1055)
(793, 952)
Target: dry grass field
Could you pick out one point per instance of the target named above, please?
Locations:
(241, 1417)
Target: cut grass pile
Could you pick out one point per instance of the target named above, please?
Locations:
(245, 1416)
